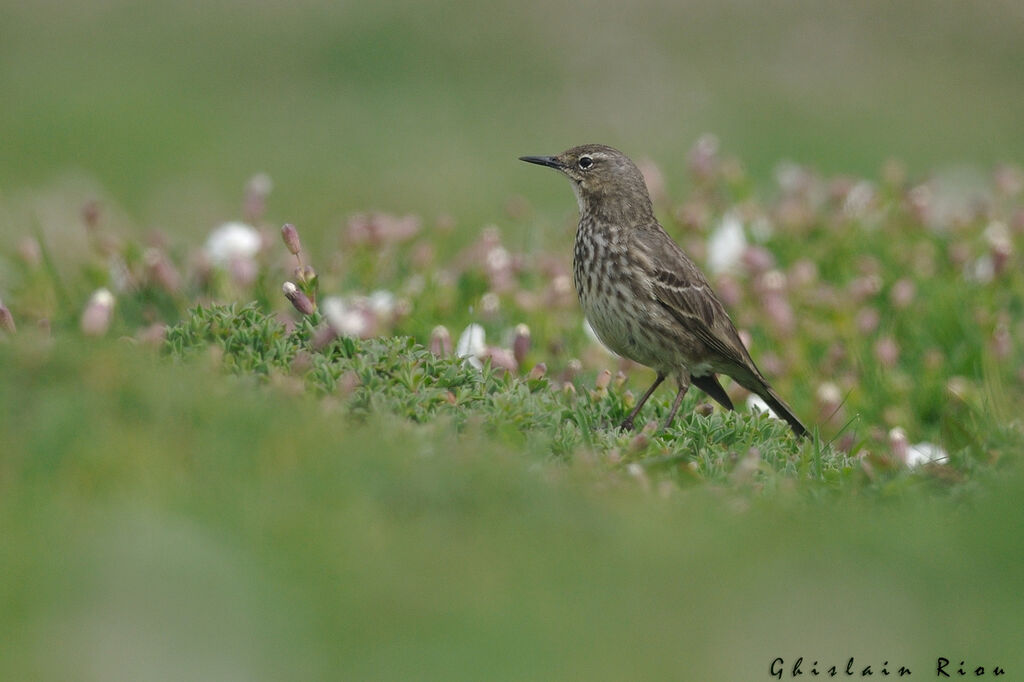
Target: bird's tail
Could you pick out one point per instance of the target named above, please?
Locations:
(783, 411)
(751, 379)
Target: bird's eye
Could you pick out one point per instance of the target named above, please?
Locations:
(585, 162)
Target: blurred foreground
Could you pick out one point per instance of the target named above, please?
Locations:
(176, 526)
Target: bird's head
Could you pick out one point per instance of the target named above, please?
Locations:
(598, 174)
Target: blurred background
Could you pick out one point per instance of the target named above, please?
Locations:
(181, 525)
(424, 106)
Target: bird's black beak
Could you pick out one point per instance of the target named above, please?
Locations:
(549, 161)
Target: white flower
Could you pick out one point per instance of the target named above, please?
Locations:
(726, 244)
(472, 345)
(261, 183)
(120, 275)
(858, 199)
(925, 453)
(498, 259)
(982, 270)
(998, 236)
(344, 319)
(756, 403)
(233, 241)
(382, 303)
(489, 303)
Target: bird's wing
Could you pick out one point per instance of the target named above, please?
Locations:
(695, 307)
(678, 285)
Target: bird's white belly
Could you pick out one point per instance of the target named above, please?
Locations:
(631, 337)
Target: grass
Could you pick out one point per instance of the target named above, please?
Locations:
(202, 481)
(177, 524)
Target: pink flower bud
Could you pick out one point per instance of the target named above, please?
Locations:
(291, 238)
(243, 271)
(804, 272)
(899, 445)
(1002, 342)
(538, 371)
(903, 292)
(6, 320)
(997, 235)
(161, 271)
(829, 399)
(865, 286)
(887, 351)
(758, 259)
(256, 192)
(779, 313)
(323, 337)
(501, 358)
(654, 179)
(441, 341)
(98, 313)
(298, 299)
(703, 157)
(521, 343)
(573, 368)
(867, 320)
(603, 379)
(1009, 180)
(153, 335)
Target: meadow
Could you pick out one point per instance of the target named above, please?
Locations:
(381, 444)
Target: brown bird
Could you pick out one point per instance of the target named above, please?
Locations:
(644, 297)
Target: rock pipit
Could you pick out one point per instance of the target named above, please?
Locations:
(644, 297)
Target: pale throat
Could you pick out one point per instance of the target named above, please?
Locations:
(579, 197)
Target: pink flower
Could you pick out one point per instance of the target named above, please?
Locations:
(654, 179)
(290, 235)
(887, 352)
(521, 343)
(161, 270)
(902, 293)
(758, 259)
(256, 192)
(440, 341)
(98, 313)
(703, 157)
(867, 320)
(501, 358)
(6, 320)
(830, 400)
(298, 299)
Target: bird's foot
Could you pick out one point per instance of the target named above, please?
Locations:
(626, 425)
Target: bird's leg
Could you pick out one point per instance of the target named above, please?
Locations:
(684, 386)
(627, 423)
